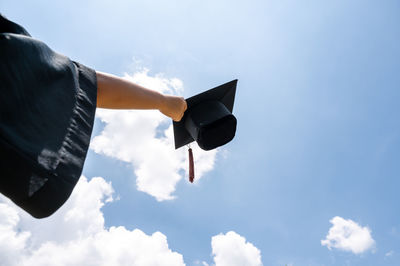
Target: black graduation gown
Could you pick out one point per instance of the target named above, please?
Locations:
(47, 109)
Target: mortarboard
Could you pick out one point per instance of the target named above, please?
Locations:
(208, 120)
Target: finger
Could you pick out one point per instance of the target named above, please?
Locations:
(178, 118)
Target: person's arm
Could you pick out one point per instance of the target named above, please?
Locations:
(117, 93)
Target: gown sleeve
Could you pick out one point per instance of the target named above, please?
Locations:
(47, 110)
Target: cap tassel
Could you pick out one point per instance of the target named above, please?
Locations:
(191, 166)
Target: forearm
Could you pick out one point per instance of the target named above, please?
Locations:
(117, 93)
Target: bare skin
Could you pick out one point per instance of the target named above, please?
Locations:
(117, 93)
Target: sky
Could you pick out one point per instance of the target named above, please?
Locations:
(311, 177)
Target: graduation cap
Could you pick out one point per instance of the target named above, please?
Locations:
(208, 120)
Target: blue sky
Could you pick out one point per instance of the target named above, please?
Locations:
(317, 106)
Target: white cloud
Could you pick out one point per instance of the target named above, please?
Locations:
(232, 249)
(75, 235)
(145, 139)
(12, 242)
(203, 263)
(347, 235)
(389, 254)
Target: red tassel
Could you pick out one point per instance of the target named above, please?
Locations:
(191, 166)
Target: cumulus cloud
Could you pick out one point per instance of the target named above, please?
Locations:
(145, 139)
(232, 249)
(75, 235)
(347, 235)
(12, 242)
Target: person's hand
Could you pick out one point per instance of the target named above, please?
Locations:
(173, 107)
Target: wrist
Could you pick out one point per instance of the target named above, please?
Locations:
(161, 102)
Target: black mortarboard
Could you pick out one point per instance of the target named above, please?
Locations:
(208, 119)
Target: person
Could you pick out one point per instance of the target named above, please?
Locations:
(47, 110)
